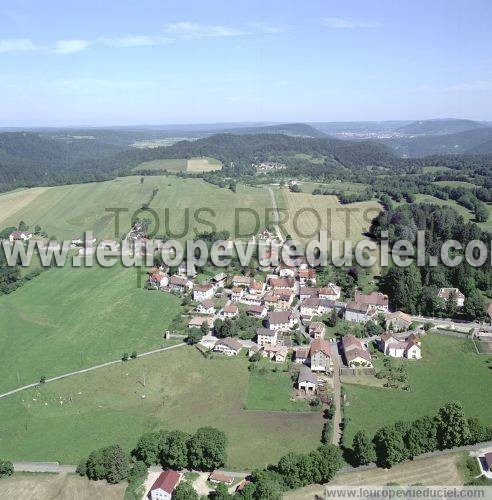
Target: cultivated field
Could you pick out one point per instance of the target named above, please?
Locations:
(197, 165)
(51, 486)
(66, 211)
(171, 165)
(179, 389)
(326, 212)
(72, 318)
(450, 370)
(435, 471)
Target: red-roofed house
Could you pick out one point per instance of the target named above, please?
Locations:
(375, 299)
(164, 485)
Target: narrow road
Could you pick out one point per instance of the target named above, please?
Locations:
(85, 370)
(337, 395)
(275, 214)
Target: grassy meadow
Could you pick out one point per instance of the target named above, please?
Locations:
(178, 389)
(450, 370)
(326, 212)
(72, 318)
(66, 211)
(197, 164)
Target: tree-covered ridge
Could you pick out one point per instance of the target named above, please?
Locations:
(415, 289)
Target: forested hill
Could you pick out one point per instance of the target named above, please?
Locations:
(292, 129)
(27, 159)
(441, 126)
(242, 150)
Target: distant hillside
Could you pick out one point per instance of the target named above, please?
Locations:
(477, 141)
(292, 129)
(439, 127)
(27, 159)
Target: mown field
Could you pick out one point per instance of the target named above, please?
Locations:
(66, 211)
(450, 370)
(50, 486)
(326, 212)
(198, 164)
(178, 389)
(72, 318)
(274, 392)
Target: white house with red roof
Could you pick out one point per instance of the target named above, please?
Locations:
(164, 485)
(19, 236)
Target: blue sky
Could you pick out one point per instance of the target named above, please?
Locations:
(116, 62)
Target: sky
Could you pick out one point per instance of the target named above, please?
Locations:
(129, 62)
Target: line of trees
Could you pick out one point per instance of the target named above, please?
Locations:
(400, 441)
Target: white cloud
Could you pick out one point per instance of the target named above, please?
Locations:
(349, 23)
(267, 28)
(474, 86)
(71, 46)
(189, 30)
(135, 41)
(17, 45)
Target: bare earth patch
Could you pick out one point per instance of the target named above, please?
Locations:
(44, 486)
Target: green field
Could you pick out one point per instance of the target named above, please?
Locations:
(455, 184)
(72, 318)
(66, 211)
(450, 370)
(272, 391)
(197, 164)
(171, 165)
(344, 187)
(65, 420)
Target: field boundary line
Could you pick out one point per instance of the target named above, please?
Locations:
(85, 370)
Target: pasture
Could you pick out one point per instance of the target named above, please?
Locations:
(72, 318)
(67, 211)
(178, 389)
(450, 370)
(194, 165)
(307, 214)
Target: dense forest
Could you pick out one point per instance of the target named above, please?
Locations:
(414, 289)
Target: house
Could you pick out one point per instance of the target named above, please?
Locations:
(112, 245)
(316, 307)
(285, 271)
(251, 300)
(230, 311)
(236, 293)
(206, 307)
(240, 487)
(330, 292)
(241, 281)
(485, 463)
(159, 279)
(256, 311)
(281, 320)
(285, 298)
(271, 300)
(320, 356)
(180, 284)
(307, 380)
(301, 354)
(307, 275)
(308, 293)
(398, 321)
(375, 299)
(265, 336)
(164, 485)
(79, 241)
(446, 293)
(203, 292)
(355, 352)
(197, 322)
(228, 346)
(19, 236)
(317, 330)
(256, 287)
(360, 313)
(282, 283)
(219, 477)
(277, 353)
(219, 280)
